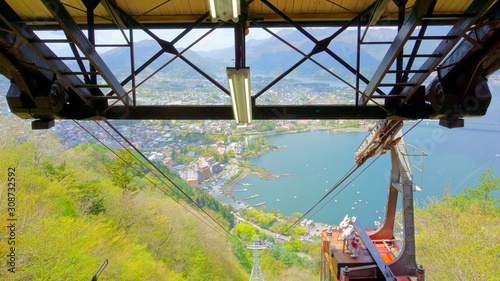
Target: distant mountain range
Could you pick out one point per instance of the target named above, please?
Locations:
(118, 60)
(272, 57)
(267, 57)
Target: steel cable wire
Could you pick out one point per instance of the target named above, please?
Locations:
(202, 218)
(344, 178)
(166, 177)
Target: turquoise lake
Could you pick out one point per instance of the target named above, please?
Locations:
(317, 160)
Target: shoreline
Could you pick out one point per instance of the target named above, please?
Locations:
(228, 187)
(318, 128)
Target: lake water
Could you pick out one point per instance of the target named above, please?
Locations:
(316, 161)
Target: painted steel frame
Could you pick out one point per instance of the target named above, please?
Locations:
(391, 106)
(401, 182)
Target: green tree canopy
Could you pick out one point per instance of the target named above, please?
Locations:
(457, 236)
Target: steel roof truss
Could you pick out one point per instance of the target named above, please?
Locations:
(76, 35)
(478, 8)
(378, 11)
(319, 45)
(159, 53)
(305, 57)
(169, 48)
(33, 48)
(413, 19)
(416, 47)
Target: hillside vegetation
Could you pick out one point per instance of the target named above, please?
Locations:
(458, 236)
(77, 208)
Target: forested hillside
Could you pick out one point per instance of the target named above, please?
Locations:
(458, 235)
(73, 209)
(67, 211)
(76, 208)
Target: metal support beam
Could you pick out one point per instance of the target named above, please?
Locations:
(358, 61)
(399, 59)
(319, 44)
(224, 112)
(400, 2)
(118, 19)
(405, 263)
(401, 181)
(386, 271)
(132, 63)
(477, 8)
(280, 77)
(386, 231)
(79, 61)
(204, 74)
(259, 112)
(413, 19)
(323, 44)
(76, 35)
(239, 45)
(91, 5)
(378, 11)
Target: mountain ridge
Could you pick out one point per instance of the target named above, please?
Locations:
(265, 57)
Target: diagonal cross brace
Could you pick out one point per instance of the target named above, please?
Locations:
(76, 35)
(320, 45)
(160, 52)
(478, 8)
(167, 46)
(378, 11)
(419, 10)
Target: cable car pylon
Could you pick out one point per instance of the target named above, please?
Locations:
(351, 251)
(257, 245)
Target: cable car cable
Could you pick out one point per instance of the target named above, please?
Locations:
(146, 166)
(347, 175)
(148, 179)
(137, 158)
(362, 171)
(205, 220)
(347, 184)
(165, 176)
